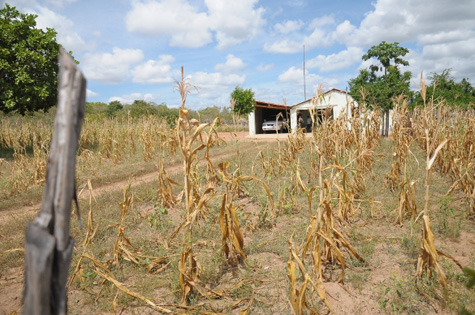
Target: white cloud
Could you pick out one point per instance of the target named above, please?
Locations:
(174, 18)
(405, 21)
(436, 58)
(291, 75)
(321, 22)
(336, 61)
(442, 30)
(320, 36)
(60, 3)
(213, 85)
(154, 71)
(232, 22)
(66, 34)
(130, 98)
(111, 68)
(294, 76)
(91, 94)
(288, 26)
(262, 67)
(284, 46)
(204, 79)
(233, 64)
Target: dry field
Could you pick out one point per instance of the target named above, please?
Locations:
(191, 220)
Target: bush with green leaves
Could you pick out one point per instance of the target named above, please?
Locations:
(28, 63)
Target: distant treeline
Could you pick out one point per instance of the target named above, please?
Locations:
(140, 108)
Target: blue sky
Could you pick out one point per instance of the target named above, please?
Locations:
(134, 49)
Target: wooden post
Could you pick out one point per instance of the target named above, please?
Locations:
(49, 248)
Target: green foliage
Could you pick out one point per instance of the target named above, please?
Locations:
(28, 63)
(113, 108)
(244, 101)
(96, 108)
(208, 114)
(444, 88)
(140, 108)
(376, 89)
(471, 277)
(388, 54)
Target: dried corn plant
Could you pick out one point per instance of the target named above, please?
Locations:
(428, 260)
(402, 139)
(90, 233)
(231, 236)
(123, 248)
(322, 241)
(189, 134)
(407, 198)
(165, 186)
(298, 293)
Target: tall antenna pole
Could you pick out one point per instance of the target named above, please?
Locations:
(304, 85)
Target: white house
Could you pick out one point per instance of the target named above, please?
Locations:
(332, 103)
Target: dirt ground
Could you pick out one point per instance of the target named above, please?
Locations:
(383, 284)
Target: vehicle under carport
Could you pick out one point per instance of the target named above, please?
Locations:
(265, 111)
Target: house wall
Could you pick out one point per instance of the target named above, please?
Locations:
(252, 123)
(337, 100)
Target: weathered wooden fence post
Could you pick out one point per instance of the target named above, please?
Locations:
(49, 248)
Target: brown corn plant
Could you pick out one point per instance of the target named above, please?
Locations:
(165, 186)
(189, 135)
(298, 294)
(231, 235)
(123, 248)
(428, 260)
(407, 198)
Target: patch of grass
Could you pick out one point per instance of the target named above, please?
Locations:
(448, 224)
(399, 295)
(411, 246)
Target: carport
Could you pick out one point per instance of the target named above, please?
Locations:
(265, 111)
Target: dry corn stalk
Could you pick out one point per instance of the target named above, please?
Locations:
(91, 232)
(297, 296)
(103, 272)
(165, 188)
(188, 133)
(122, 246)
(231, 235)
(429, 256)
(322, 237)
(407, 198)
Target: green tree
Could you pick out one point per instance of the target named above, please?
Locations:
(28, 63)
(444, 88)
(244, 101)
(381, 83)
(141, 108)
(113, 108)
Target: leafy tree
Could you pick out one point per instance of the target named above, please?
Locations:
(28, 63)
(96, 108)
(244, 100)
(380, 84)
(387, 54)
(170, 114)
(141, 108)
(444, 88)
(113, 108)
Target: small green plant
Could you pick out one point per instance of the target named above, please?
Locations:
(157, 218)
(447, 224)
(410, 244)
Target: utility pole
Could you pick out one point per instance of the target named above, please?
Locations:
(304, 85)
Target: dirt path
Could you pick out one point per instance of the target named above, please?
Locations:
(6, 216)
